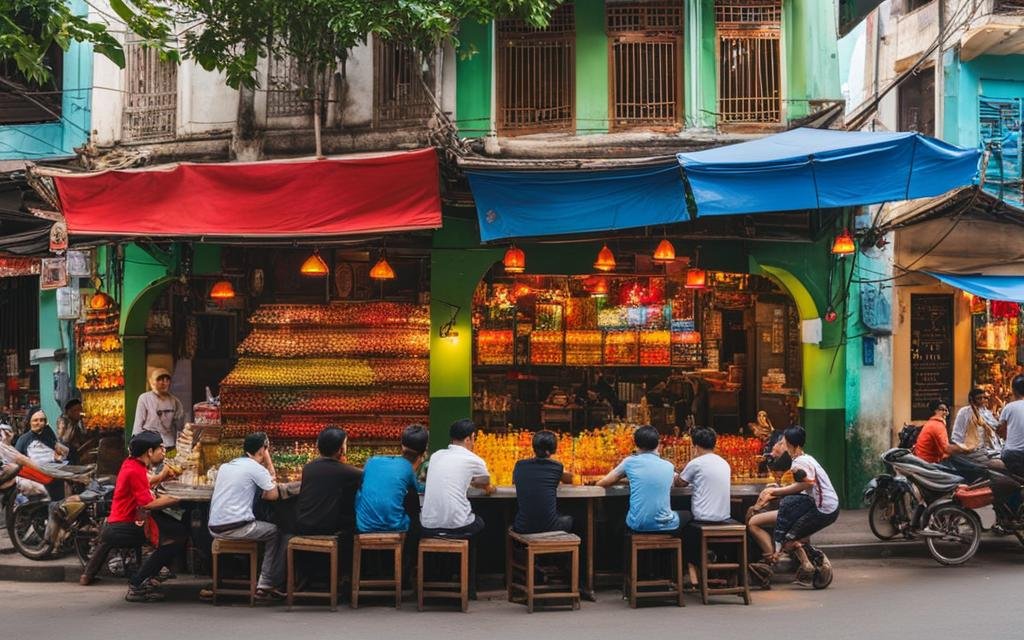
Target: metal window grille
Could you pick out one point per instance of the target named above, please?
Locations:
(400, 80)
(537, 75)
(999, 122)
(646, 59)
(749, 63)
(1009, 6)
(287, 88)
(151, 95)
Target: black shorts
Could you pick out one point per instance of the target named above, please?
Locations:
(799, 518)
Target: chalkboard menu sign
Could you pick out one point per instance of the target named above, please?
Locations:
(931, 352)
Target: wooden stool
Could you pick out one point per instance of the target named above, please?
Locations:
(663, 587)
(249, 548)
(442, 589)
(734, 535)
(381, 587)
(313, 544)
(535, 545)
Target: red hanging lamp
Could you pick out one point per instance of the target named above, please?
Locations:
(222, 290)
(100, 301)
(514, 260)
(696, 278)
(664, 252)
(843, 245)
(605, 259)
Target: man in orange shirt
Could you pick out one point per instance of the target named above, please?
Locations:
(933, 443)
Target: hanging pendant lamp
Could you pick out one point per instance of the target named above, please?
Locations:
(222, 290)
(100, 301)
(665, 251)
(314, 265)
(599, 288)
(605, 259)
(844, 244)
(382, 270)
(514, 260)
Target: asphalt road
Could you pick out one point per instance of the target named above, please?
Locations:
(904, 598)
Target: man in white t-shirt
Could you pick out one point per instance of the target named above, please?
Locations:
(711, 478)
(446, 511)
(231, 515)
(808, 505)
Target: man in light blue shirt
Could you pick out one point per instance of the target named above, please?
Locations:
(650, 482)
(383, 500)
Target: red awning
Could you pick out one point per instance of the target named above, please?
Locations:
(281, 198)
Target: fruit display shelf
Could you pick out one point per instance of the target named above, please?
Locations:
(101, 371)
(362, 365)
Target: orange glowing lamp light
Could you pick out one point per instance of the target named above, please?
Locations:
(222, 290)
(696, 279)
(605, 259)
(514, 260)
(665, 251)
(843, 245)
(599, 289)
(382, 270)
(100, 301)
(314, 266)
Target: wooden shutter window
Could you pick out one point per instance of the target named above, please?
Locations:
(536, 75)
(399, 94)
(151, 95)
(645, 64)
(749, 61)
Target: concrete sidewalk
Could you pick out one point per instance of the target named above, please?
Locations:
(849, 538)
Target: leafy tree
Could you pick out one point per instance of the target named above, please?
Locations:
(232, 35)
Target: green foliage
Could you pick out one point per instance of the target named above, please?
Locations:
(232, 35)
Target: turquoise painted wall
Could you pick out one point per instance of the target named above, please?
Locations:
(963, 82)
(811, 59)
(58, 139)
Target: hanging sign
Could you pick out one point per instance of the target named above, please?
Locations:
(59, 237)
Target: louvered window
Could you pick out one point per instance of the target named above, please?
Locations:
(536, 75)
(749, 61)
(151, 95)
(646, 62)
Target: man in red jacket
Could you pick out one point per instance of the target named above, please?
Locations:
(133, 502)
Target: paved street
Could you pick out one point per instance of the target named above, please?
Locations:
(904, 597)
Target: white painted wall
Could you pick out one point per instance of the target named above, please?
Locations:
(208, 107)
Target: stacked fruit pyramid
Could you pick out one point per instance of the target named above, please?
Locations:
(362, 366)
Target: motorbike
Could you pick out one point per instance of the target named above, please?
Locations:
(39, 527)
(934, 502)
(821, 579)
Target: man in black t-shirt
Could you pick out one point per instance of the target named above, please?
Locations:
(537, 481)
(326, 502)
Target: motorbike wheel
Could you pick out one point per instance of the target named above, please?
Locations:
(882, 517)
(961, 535)
(26, 527)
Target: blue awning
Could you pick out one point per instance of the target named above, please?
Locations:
(821, 168)
(1006, 288)
(796, 170)
(514, 204)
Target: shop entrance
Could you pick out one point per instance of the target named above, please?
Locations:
(579, 352)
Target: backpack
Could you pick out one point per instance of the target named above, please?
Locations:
(908, 436)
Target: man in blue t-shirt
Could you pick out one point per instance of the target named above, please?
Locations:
(389, 499)
(383, 501)
(650, 482)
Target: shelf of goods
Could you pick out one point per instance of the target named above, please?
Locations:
(593, 347)
(362, 366)
(100, 371)
(592, 454)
